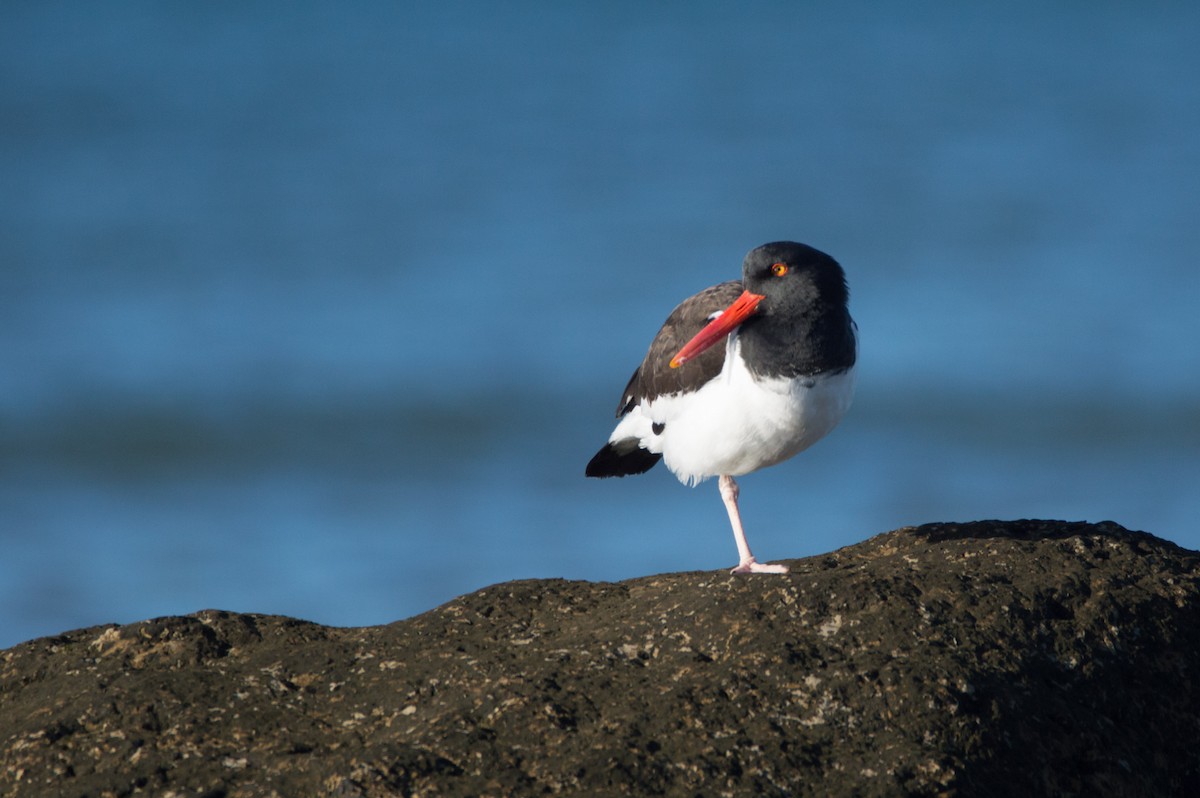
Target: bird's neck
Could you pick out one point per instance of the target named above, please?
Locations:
(798, 345)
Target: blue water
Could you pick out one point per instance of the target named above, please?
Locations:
(322, 311)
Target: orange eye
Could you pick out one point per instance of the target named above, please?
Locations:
(779, 269)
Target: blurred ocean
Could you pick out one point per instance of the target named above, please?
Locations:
(321, 310)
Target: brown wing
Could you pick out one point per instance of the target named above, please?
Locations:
(655, 377)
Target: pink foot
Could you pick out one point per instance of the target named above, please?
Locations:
(753, 566)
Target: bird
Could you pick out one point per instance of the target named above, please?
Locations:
(741, 376)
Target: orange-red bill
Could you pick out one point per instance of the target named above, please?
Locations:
(718, 328)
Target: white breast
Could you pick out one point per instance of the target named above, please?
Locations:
(737, 423)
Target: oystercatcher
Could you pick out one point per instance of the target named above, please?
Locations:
(781, 379)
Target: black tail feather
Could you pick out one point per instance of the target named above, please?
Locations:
(621, 459)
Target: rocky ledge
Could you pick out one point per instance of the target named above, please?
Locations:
(989, 658)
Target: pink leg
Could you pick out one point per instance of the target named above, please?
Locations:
(746, 562)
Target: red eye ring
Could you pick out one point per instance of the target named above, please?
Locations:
(779, 269)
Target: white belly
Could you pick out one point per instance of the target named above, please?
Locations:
(736, 424)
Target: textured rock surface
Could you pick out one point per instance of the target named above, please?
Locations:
(987, 658)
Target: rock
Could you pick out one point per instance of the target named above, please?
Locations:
(1022, 658)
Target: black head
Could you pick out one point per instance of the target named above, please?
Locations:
(794, 278)
(791, 318)
(802, 325)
